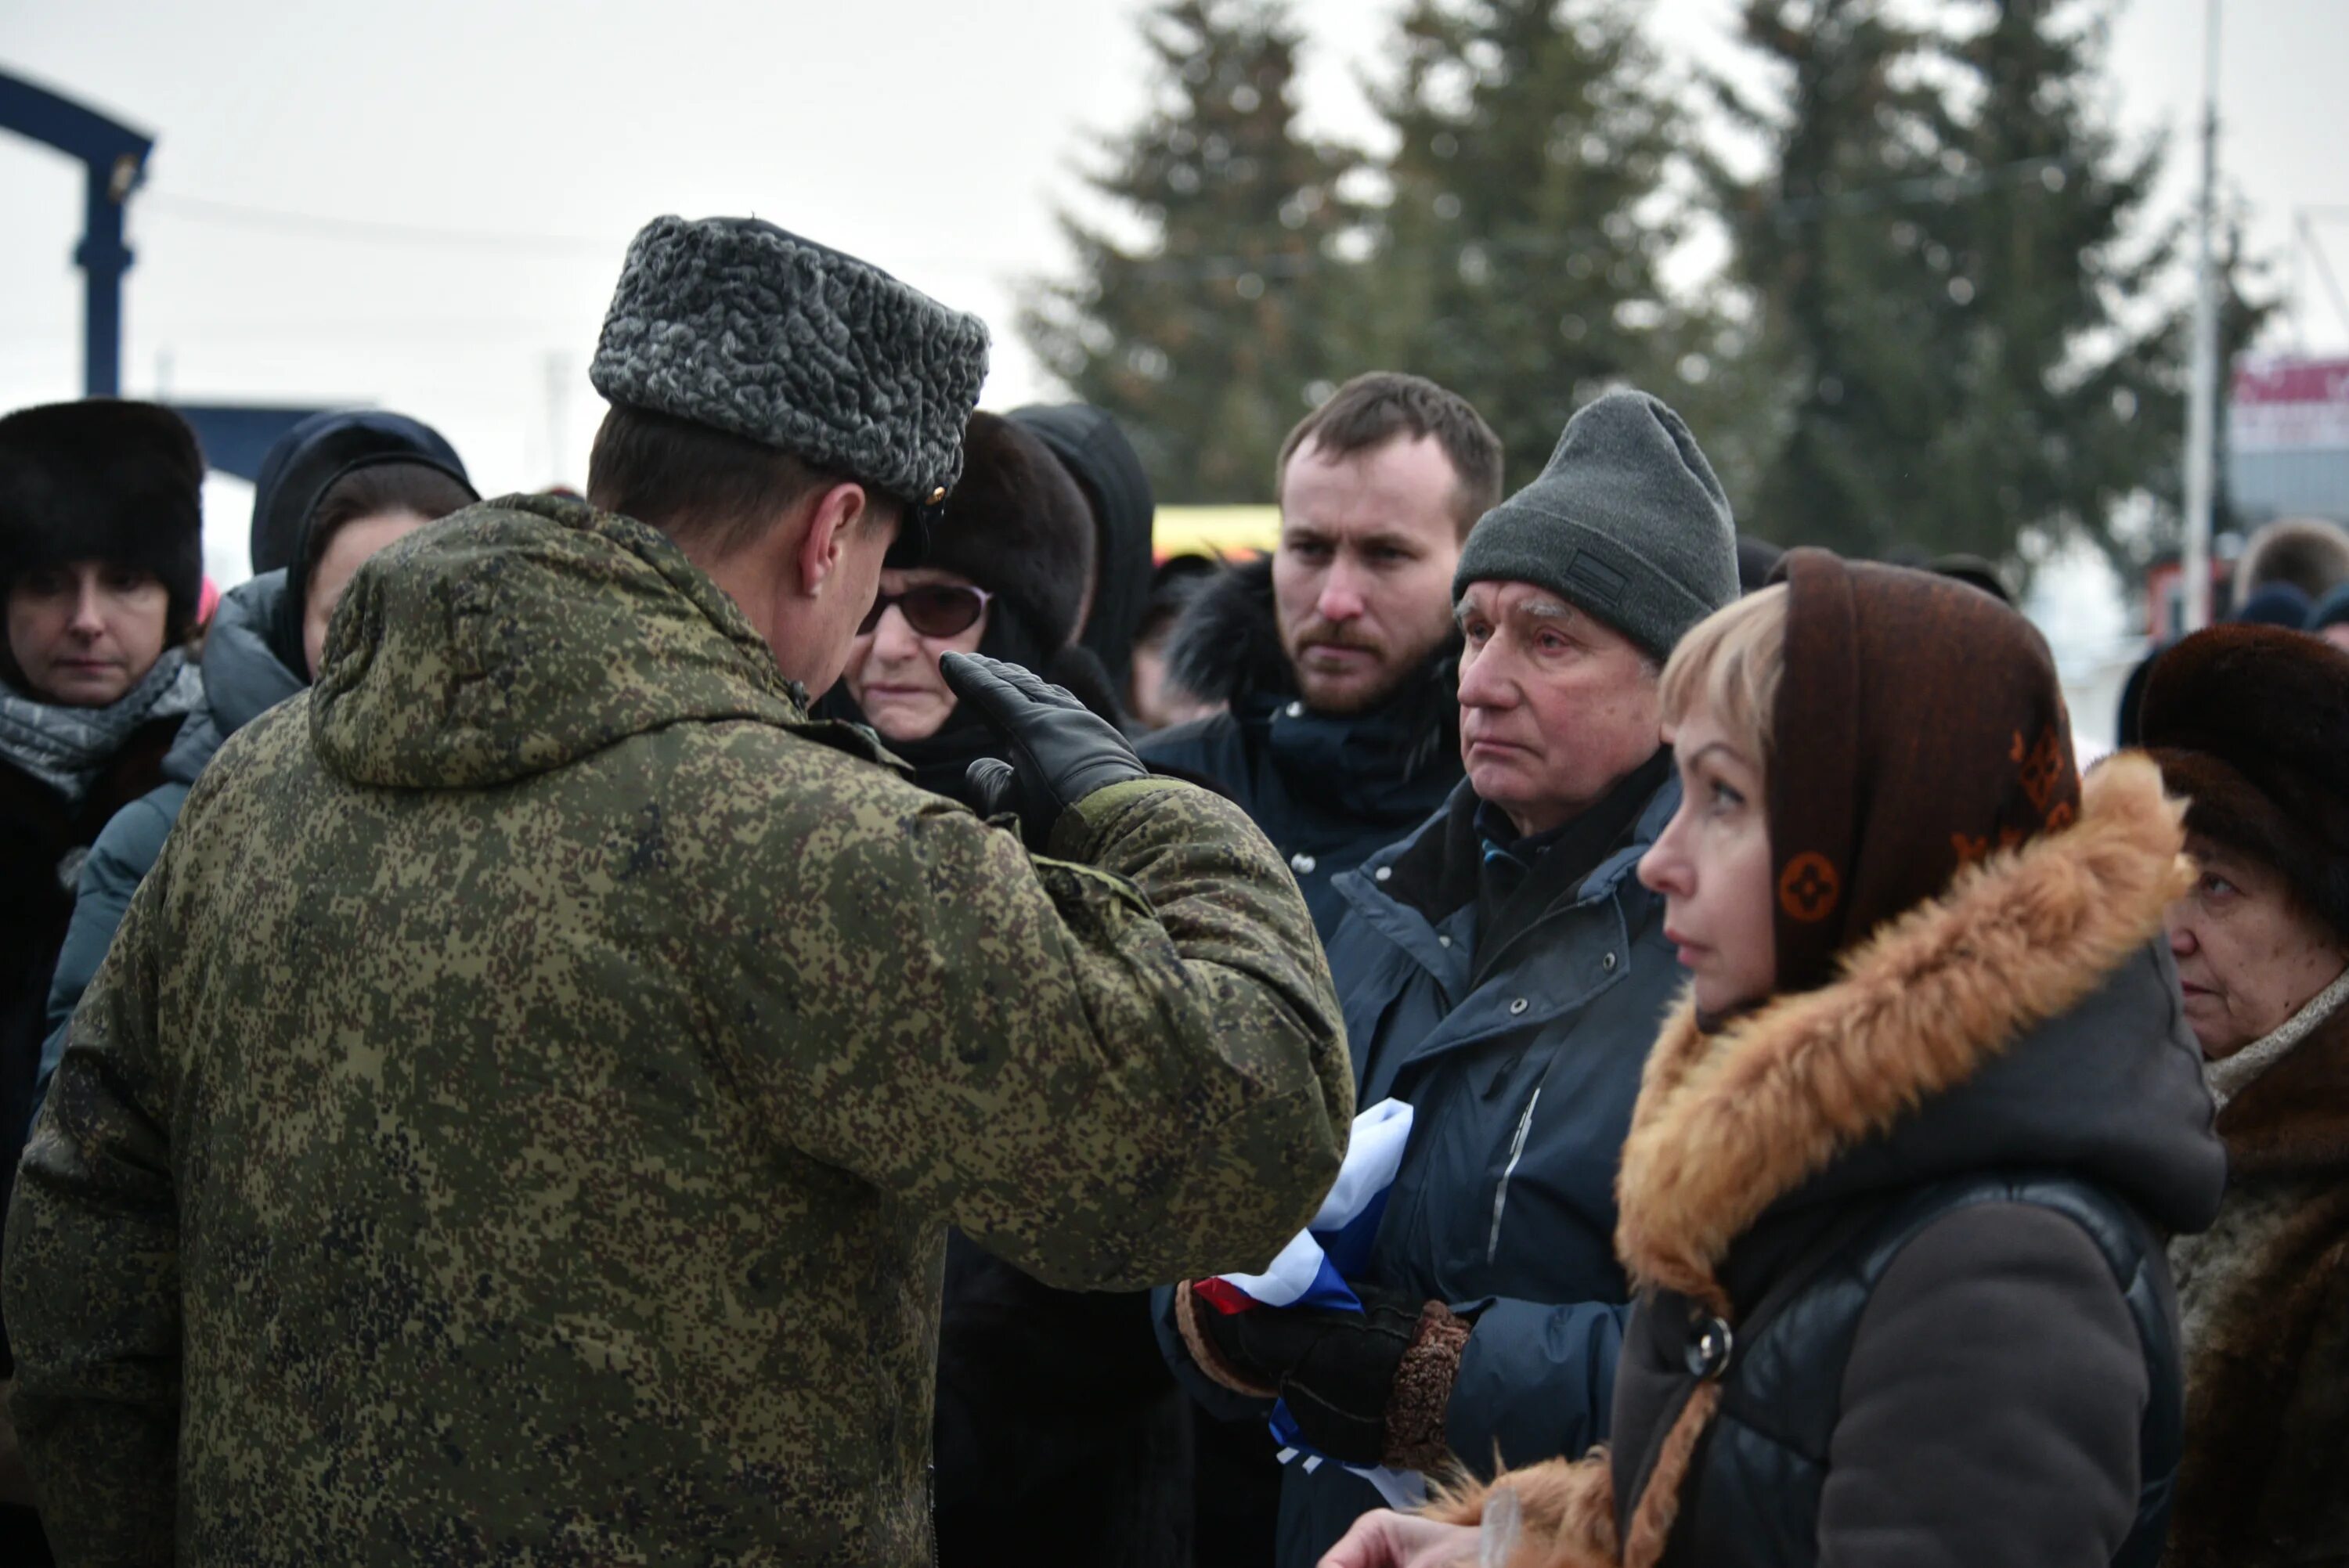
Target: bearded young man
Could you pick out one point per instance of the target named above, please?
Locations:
(1338, 657)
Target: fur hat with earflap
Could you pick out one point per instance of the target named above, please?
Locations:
(1018, 526)
(105, 480)
(2252, 724)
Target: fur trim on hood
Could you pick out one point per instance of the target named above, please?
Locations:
(1227, 644)
(1773, 1100)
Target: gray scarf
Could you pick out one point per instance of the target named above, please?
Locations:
(67, 747)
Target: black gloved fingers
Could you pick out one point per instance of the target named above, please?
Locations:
(998, 689)
(992, 786)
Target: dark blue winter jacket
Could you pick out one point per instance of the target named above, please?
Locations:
(1522, 1082)
(243, 678)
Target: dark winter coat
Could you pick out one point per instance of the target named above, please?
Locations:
(44, 841)
(1060, 1437)
(1328, 789)
(1522, 1082)
(2265, 1296)
(1901, 1296)
(243, 678)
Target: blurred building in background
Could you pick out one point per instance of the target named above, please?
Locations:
(2288, 438)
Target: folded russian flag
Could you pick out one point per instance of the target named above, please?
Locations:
(1311, 1270)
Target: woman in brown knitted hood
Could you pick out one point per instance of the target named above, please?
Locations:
(1897, 1179)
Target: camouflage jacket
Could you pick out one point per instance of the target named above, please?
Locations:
(520, 1117)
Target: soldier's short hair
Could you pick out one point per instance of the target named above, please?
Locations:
(1375, 407)
(697, 484)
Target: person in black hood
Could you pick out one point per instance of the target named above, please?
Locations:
(1338, 657)
(1894, 1191)
(1108, 470)
(341, 486)
(1059, 1434)
(307, 458)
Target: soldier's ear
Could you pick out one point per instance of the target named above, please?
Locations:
(837, 512)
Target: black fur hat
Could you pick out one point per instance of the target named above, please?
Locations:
(2252, 723)
(105, 480)
(1016, 525)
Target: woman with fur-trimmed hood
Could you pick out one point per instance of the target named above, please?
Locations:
(1903, 1158)
(2252, 722)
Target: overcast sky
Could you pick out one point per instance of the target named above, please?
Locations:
(934, 136)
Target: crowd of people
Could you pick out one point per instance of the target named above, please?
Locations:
(784, 1009)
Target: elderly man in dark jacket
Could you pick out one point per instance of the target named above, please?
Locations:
(1503, 973)
(1336, 657)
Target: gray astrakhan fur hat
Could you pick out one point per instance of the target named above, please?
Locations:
(737, 324)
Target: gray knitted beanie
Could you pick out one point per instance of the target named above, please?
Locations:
(1626, 521)
(735, 324)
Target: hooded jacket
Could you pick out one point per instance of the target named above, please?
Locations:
(534, 1082)
(243, 678)
(253, 649)
(1910, 1306)
(1109, 472)
(1327, 788)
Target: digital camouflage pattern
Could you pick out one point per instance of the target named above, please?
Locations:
(519, 1119)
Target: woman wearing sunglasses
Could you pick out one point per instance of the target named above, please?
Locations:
(1005, 575)
(1057, 1427)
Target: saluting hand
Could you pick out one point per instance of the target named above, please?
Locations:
(1062, 751)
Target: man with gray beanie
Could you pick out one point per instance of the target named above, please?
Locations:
(519, 1119)
(1503, 973)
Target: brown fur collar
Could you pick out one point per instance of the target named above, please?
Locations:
(2294, 1118)
(1919, 1008)
(1769, 1101)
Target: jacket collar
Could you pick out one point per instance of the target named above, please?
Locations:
(1919, 1008)
(2294, 1118)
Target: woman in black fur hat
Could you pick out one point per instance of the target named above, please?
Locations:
(1060, 1437)
(1005, 575)
(101, 557)
(2251, 723)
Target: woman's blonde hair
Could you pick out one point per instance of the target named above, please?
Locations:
(1730, 663)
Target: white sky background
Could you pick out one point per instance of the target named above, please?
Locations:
(934, 136)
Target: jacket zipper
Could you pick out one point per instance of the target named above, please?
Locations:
(1517, 1152)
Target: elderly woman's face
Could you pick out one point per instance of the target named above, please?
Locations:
(893, 669)
(2248, 956)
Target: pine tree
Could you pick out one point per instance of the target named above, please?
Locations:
(2063, 406)
(1214, 328)
(1517, 256)
(1973, 322)
(1850, 279)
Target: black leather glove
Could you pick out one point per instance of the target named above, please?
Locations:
(1336, 1369)
(1062, 751)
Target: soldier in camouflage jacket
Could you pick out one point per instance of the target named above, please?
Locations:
(519, 1119)
(543, 1152)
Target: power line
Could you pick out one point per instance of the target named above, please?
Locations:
(366, 230)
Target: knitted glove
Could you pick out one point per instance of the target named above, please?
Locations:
(1366, 1389)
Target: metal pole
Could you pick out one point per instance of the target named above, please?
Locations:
(2202, 395)
(104, 258)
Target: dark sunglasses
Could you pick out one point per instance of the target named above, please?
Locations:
(933, 610)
